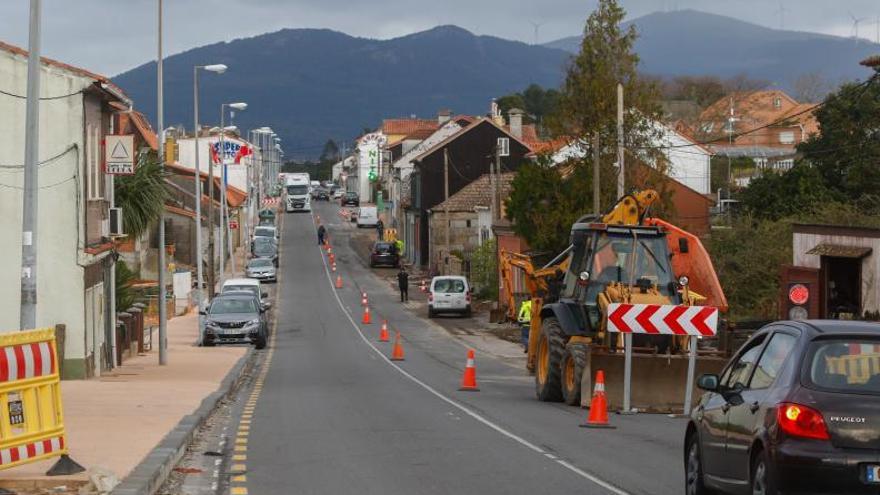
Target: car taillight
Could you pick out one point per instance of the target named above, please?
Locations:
(467, 297)
(801, 421)
(430, 297)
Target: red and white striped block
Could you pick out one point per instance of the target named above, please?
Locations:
(271, 201)
(662, 319)
(19, 362)
(27, 451)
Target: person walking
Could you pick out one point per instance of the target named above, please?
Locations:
(380, 229)
(403, 284)
(525, 323)
(322, 232)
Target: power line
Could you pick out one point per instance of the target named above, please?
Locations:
(44, 162)
(45, 98)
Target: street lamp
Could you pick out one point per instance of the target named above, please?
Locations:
(217, 69)
(224, 209)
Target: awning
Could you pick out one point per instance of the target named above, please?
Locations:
(838, 251)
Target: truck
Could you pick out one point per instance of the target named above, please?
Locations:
(296, 192)
(624, 256)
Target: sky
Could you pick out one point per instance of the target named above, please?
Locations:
(111, 36)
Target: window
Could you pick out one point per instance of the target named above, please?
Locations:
(708, 127)
(449, 286)
(786, 137)
(94, 178)
(738, 374)
(771, 361)
(777, 102)
(845, 365)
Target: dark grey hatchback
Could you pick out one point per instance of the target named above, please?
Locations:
(797, 410)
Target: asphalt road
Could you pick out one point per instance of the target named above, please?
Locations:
(335, 416)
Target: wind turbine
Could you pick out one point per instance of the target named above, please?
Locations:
(537, 26)
(855, 29)
(782, 10)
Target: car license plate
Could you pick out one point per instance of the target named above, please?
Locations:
(872, 473)
(231, 331)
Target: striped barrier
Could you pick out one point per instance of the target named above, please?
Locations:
(31, 417)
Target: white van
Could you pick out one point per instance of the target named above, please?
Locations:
(449, 294)
(249, 285)
(368, 216)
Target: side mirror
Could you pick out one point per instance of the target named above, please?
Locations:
(264, 295)
(708, 382)
(203, 312)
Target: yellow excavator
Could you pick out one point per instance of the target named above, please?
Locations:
(623, 256)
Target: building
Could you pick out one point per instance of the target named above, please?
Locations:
(469, 221)
(765, 126)
(75, 255)
(470, 154)
(834, 273)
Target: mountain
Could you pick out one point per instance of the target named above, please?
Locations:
(310, 85)
(689, 42)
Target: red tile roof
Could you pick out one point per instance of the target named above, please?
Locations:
(131, 122)
(235, 197)
(407, 126)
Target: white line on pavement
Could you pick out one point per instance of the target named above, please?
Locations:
(461, 407)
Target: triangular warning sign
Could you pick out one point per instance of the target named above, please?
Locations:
(119, 151)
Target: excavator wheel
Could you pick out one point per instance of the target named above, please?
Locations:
(548, 368)
(573, 363)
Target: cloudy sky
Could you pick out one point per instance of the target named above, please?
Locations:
(110, 36)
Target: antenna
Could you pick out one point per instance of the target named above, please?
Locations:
(855, 29)
(782, 10)
(537, 26)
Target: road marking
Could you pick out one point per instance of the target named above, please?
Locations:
(238, 490)
(239, 478)
(476, 416)
(239, 468)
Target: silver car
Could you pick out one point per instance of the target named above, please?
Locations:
(261, 269)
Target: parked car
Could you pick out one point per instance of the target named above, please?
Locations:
(320, 194)
(264, 231)
(384, 254)
(350, 199)
(261, 269)
(265, 248)
(235, 317)
(337, 192)
(449, 294)
(368, 216)
(796, 410)
(250, 285)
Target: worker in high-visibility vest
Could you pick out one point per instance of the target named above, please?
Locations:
(525, 322)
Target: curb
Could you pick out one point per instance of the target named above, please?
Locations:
(152, 472)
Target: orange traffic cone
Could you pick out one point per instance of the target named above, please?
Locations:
(329, 249)
(383, 333)
(332, 258)
(598, 417)
(364, 301)
(397, 350)
(333, 267)
(469, 378)
(339, 281)
(366, 320)
(423, 287)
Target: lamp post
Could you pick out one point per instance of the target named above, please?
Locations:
(217, 69)
(224, 209)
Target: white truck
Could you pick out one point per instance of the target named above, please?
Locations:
(296, 192)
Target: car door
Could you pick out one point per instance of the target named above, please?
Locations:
(746, 418)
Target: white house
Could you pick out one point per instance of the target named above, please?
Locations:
(74, 262)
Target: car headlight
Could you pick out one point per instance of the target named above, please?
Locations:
(253, 323)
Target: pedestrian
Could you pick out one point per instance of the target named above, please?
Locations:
(403, 283)
(380, 229)
(321, 233)
(525, 323)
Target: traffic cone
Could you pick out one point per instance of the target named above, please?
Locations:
(383, 333)
(332, 258)
(333, 267)
(469, 378)
(423, 287)
(329, 249)
(364, 301)
(366, 320)
(339, 281)
(598, 417)
(397, 350)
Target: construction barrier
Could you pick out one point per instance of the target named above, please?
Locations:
(858, 368)
(31, 419)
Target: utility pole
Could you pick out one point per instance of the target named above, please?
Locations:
(160, 117)
(200, 278)
(28, 309)
(493, 178)
(446, 203)
(597, 202)
(223, 225)
(211, 231)
(621, 178)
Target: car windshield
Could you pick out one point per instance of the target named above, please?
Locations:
(264, 250)
(384, 248)
(351, 195)
(248, 288)
(297, 190)
(629, 259)
(228, 305)
(264, 232)
(845, 365)
(449, 286)
(259, 263)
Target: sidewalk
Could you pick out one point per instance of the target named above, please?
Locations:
(114, 421)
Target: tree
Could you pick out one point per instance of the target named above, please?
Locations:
(142, 195)
(536, 101)
(811, 87)
(800, 190)
(330, 152)
(847, 147)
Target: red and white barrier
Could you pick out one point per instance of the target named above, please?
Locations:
(666, 319)
(26, 361)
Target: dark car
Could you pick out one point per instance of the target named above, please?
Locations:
(350, 199)
(384, 254)
(235, 317)
(797, 410)
(265, 248)
(321, 194)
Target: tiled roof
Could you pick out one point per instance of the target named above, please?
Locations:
(477, 193)
(235, 197)
(140, 124)
(407, 126)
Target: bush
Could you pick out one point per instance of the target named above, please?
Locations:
(484, 270)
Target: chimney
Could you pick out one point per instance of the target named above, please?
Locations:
(443, 116)
(516, 120)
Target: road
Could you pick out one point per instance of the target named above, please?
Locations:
(334, 415)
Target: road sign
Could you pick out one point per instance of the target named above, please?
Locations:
(119, 154)
(665, 319)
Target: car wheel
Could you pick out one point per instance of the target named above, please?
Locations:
(693, 469)
(573, 363)
(548, 370)
(208, 343)
(468, 312)
(260, 342)
(762, 479)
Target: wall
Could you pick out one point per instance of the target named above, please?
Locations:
(237, 175)
(464, 236)
(60, 235)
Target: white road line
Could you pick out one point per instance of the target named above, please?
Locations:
(476, 416)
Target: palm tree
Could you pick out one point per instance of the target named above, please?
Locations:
(141, 196)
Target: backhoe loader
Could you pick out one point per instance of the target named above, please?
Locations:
(624, 257)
